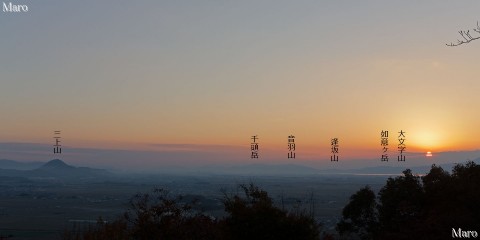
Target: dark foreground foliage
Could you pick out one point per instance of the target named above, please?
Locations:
(407, 207)
(413, 207)
(251, 215)
(255, 217)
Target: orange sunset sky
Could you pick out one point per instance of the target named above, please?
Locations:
(159, 75)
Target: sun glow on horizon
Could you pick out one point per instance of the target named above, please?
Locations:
(427, 139)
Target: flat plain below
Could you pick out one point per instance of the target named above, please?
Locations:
(44, 208)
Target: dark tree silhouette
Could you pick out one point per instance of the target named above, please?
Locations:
(160, 216)
(400, 206)
(412, 209)
(116, 230)
(253, 216)
(359, 215)
(154, 216)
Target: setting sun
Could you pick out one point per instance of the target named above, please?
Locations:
(429, 154)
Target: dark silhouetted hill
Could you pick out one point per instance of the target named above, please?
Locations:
(56, 165)
(57, 169)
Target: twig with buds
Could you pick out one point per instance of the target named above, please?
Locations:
(466, 37)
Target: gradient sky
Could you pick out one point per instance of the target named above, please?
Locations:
(175, 75)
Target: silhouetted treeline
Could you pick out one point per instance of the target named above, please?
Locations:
(251, 215)
(413, 207)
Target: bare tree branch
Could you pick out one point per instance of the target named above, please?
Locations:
(466, 37)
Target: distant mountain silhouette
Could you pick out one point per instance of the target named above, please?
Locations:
(57, 169)
(57, 165)
(298, 169)
(390, 170)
